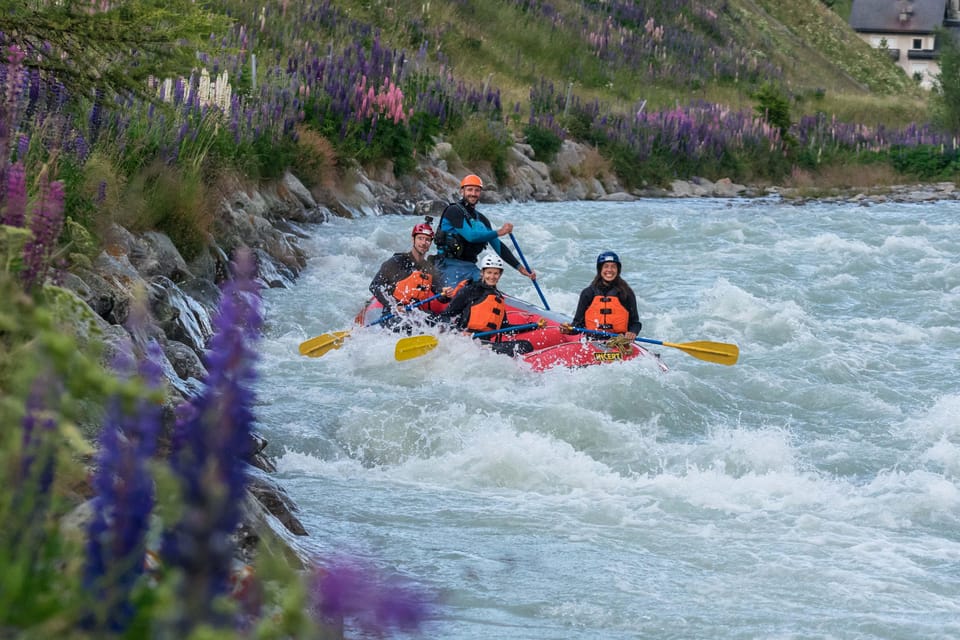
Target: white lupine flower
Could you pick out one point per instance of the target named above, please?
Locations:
(203, 90)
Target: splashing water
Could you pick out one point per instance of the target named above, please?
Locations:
(810, 491)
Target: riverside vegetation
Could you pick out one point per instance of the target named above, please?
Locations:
(143, 116)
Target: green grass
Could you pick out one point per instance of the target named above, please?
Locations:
(826, 66)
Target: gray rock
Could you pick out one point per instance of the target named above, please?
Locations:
(184, 360)
(300, 192)
(157, 255)
(181, 317)
(275, 500)
(619, 196)
(272, 275)
(122, 282)
(726, 188)
(687, 189)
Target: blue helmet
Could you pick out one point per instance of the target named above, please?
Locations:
(608, 256)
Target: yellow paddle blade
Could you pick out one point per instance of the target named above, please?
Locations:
(414, 347)
(320, 345)
(718, 352)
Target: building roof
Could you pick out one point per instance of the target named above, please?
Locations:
(884, 16)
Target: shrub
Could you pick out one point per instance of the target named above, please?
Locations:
(578, 124)
(545, 142)
(945, 98)
(391, 140)
(631, 171)
(925, 162)
(483, 140)
(315, 162)
(773, 106)
(594, 165)
(173, 201)
(424, 129)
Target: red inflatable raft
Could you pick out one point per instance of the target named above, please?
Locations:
(551, 348)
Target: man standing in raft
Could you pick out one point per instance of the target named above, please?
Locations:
(465, 232)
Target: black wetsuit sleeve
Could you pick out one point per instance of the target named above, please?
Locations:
(457, 312)
(436, 287)
(500, 247)
(384, 281)
(586, 297)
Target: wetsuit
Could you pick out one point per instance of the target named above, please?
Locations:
(479, 307)
(399, 268)
(464, 233)
(591, 300)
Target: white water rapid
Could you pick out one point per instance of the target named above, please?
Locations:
(810, 491)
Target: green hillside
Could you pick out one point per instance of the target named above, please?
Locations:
(513, 45)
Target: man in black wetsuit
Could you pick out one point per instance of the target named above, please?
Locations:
(408, 278)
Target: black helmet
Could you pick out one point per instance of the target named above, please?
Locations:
(608, 256)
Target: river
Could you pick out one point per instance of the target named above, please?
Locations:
(812, 490)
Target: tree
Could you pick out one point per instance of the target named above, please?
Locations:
(113, 46)
(945, 99)
(774, 107)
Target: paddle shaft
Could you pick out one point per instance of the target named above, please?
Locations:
(412, 305)
(519, 327)
(527, 267)
(718, 352)
(416, 346)
(321, 345)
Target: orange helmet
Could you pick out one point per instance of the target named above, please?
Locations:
(471, 180)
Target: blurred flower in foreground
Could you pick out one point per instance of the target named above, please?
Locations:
(46, 223)
(117, 541)
(212, 443)
(354, 593)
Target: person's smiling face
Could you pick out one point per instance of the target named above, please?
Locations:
(472, 194)
(421, 243)
(609, 271)
(491, 276)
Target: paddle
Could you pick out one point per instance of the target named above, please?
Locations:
(416, 346)
(323, 344)
(718, 352)
(527, 267)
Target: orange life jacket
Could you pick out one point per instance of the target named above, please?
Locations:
(607, 313)
(488, 314)
(416, 286)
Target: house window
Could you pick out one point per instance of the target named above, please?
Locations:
(917, 43)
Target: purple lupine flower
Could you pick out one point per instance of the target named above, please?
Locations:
(46, 224)
(35, 468)
(34, 86)
(210, 450)
(23, 145)
(15, 211)
(36, 462)
(8, 104)
(117, 535)
(355, 593)
(96, 115)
